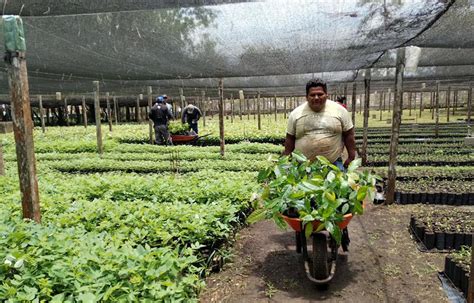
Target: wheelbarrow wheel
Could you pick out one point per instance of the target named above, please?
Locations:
(320, 256)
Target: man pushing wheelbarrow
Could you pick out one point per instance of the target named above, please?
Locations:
(311, 188)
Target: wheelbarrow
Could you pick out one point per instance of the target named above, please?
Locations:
(186, 139)
(320, 264)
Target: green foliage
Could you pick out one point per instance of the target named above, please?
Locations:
(315, 191)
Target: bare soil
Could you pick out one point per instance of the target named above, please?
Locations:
(383, 265)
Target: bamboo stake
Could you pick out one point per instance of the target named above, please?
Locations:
(116, 110)
(354, 101)
(284, 107)
(84, 111)
(221, 116)
(448, 101)
(150, 104)
(98, 125)
(109, 115)
(241, 100)
(396, 121)
(437, 110)
(421, 103)
(43, 128)
(259, 122)
(366, 116)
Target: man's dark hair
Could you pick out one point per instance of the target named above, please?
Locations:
(341, 99)
(316, 83)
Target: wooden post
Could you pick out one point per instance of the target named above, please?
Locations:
(231, 108)
(150, 104)
(396, 121)
(385, 100)
(98, 125)
(354, 101)
(389, 99)
(421, 103)
(181, 99)
(410, 97)
(43, 128)
(137, 109)
(437, 110)
(259, 120)
(284, 107)
(469, 110)
(248, 108)
(66, 112)
(116, 110)
(448, 101)
(241, 100)
(366, 116)
(221, 116)
(432, 109)
(455, 103)
(382, 97)
(15, 62)
(84, 111)
(109, 114)
(276, 107)
(203, 98)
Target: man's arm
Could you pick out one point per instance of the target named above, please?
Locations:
(289, 144)
(349, 142)
(183, 116)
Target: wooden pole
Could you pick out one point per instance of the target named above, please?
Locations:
(469, 110)
(109, 114)
(389, 99)
(66, 112)
(116, 110)
(421, 103)
(448, 101)
(382, 97)
(181, 99)
(396, 121)
(150, 104)
(231, 108)
(221, 116)
(276, 107)
(98, 125)
(366, 116)
(241, 100)
(433, 95)
(354, 101)
(385, 100)
(410, 97)
(137, 109)
(43, 128)
(455, 103)
(248, 108)
(259, 120)
(204, 107)
(437, 110)
(284, 107)
(21, 115)
(84, 111)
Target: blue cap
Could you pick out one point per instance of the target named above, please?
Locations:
(159, 99)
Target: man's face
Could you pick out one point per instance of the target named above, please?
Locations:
(316, 98)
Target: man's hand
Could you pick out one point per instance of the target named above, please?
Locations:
(349, 142)
(347, 162)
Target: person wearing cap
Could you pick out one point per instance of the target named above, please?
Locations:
(169, 106)
(160, 115)
(342, 101)
(191, 115)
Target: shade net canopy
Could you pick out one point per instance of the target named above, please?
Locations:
(271, 46)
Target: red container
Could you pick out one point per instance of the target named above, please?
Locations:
(183, 138)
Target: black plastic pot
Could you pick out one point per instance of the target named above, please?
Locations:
(449, 240)
(448, 267)
(443, 198)
(423, 198)
(468, 240)
(398, 197)
(429, 239)
(465, 283)
(458, 199)
(450, 199)
(457, 276)
(437, 198)
(439, 240)
(419, 230)
(458, 240)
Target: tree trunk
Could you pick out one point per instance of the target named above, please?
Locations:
(366, 116)
(98, 125)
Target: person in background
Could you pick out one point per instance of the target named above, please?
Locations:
(342, 101)
(168, 105)
(160, 115)
(321, 127)
(191, 115)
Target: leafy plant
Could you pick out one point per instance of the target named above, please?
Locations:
(312, 191)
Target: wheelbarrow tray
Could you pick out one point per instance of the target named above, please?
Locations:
(184, 138)
(295, 223)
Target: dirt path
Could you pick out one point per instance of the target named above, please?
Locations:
(383, 265)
